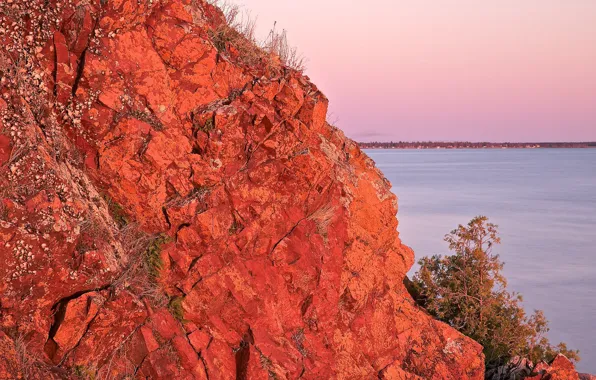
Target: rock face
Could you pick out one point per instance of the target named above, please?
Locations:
(172, 210)
(560, 368)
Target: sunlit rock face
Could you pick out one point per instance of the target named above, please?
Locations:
(173, 210)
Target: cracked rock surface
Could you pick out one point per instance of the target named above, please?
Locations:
(169, 210)
(560, 368)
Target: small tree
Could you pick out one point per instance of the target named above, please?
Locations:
(468, 291)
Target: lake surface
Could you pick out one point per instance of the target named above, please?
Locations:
(544, 201)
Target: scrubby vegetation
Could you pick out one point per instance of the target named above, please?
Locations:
(175, 306)
(468, 291)
(277, 44)
(117, 211)
(144, 264)
(83, 372)
(153, 255)
(239, 34)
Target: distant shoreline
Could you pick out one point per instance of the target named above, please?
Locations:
(474, 145)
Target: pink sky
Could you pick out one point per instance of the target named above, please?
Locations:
(448, 70)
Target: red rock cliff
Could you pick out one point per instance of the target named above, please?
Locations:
(171, 211)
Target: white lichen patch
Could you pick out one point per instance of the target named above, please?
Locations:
(452, 347)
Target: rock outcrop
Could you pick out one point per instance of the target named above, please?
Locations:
(560, 368)
(171, 209)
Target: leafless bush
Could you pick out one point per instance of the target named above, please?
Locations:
(240, 33)
(332, 119)
(236, 18)
(239, 28)
(277, 44)
(226, 38)
(133, 240)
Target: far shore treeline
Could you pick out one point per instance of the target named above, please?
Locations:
(471, 145)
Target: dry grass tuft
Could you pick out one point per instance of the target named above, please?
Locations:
(239, 33)
(277, 44)
(143, 268)
(25, 361)
(176, 309)
(3, 211)
(239, 20)
(323, 218)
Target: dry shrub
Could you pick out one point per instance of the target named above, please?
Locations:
(332, 119)
(241, 21)
(143, 266)
(134, 241)
(277, 44)
(239, 33)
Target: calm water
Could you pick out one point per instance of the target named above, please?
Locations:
(544, 201)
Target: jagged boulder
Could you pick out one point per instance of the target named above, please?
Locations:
(560, 368)
(586, 376)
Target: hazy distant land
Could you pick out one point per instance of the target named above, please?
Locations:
(472, 145)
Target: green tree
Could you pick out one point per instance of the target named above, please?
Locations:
(468, 291)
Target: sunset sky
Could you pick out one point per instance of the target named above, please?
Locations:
(506, 70)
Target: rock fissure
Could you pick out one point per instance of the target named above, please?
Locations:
(242, 356)
(59, 308)
(181, 227)
(79, 74)
(55, 70)
(164, 212)
(283, 238)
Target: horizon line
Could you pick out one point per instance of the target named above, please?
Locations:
(473, 142)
